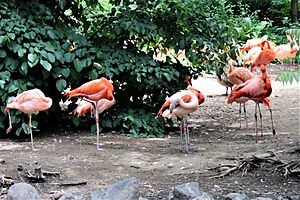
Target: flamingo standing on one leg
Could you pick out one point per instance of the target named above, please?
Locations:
(30, 101)
(94, 91)
(238, 76)
(256, 89)
(181, 104)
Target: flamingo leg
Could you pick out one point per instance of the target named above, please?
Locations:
(97, 126)
(274, 132)
(181, 137)
(97, 122)
(31, 136)
(10, 125)
(255, 116)
(185, 136)
(245, 115)
(260, 116)
(187, 132)
(240, 114)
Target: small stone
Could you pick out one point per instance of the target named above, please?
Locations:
(20, 167)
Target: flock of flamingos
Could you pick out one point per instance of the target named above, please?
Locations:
(97, 95)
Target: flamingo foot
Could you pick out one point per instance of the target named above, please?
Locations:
(259, 140)
(8, 129)
(100, 149)
(244, 127)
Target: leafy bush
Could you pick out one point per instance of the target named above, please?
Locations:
(50, 45)
(38, 55)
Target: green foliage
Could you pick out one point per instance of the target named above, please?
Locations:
(289, 77)
(136, 123)
(38, 55)
(53, 44)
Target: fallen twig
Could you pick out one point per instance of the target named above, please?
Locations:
(257, 161)
(6, 181)
(70, 184)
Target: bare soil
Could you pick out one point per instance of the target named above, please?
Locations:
(157, 163)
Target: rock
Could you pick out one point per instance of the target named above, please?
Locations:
(284, 198)
(262, 198)
(121, 190)
(21, 191)
(296, 197)
(142, 198)
(185, 191)
(237, 196)
(204, 196)
(68, 196)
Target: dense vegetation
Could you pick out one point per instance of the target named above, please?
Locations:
(53, 44)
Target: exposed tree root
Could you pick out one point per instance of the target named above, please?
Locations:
(268, 160)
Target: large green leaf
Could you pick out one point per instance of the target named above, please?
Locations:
(61, 84)
(21, 52)
(24, 68)
(79, 64)
(32, 59)
(46, 65)
(2, 53)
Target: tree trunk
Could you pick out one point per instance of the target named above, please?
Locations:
(294, 10)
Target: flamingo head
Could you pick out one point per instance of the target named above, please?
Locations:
(199, 95)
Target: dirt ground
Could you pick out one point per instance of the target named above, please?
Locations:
(157, 163)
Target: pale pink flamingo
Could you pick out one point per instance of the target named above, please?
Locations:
(30, 101)
(181, 104)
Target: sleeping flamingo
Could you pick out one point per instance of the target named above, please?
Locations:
(93, 91)
(30, 101)
(181, 104)
(239, 75)
(85, 106)
(256, 89)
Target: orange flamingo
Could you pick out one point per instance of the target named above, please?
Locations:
(93, 92)
(255, 42)
(256, 89)
(30, 101)
(287, 50)
(238, 76)
(181, 104)
(265, 57)
(251, 55)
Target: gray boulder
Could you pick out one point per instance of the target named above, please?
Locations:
(124, 190)
(21, 191)
(69, 196)
(185, 191)
(237, 196)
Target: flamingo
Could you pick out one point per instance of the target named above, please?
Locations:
(287, 50)
(256, 89)
(251, 55)
(238, 76)
(181, 104)
(265, 57)
(85, 106)
(30, 101)
(93, 91)
(255, 42)
(222, 78)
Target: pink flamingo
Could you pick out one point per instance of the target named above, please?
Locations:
(181, 104)
(30, 101)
